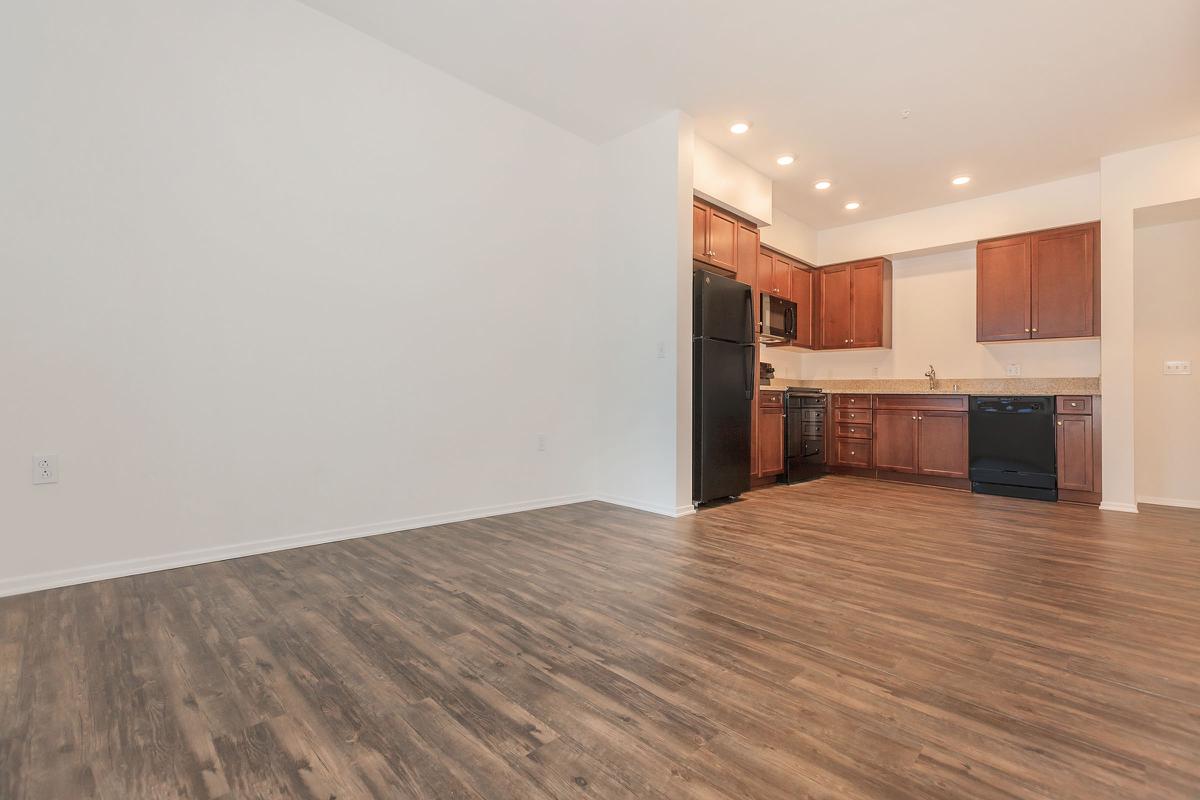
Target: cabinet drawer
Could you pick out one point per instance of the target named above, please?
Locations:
(852, 452)
(770, 399)
(922, 402)
(852, 401)
(1074, 404)
(860, 415)
(853, 430)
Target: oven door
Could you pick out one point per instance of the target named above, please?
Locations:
(778, 320)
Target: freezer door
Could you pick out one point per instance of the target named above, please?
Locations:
(722, 308)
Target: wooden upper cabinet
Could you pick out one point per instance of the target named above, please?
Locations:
(856, 304)
(781, 277)
(722, 240)
(802, 296)
(834, 310)
(870, 303)
(1042, 285)
(1064, 286)
(1003, 290)
(747, 253)
(699, 231)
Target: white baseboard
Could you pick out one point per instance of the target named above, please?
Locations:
(136, 566)
(1130, 508)
(1168, 501)
(664, 511)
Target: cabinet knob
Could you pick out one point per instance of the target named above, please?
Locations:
(1027, 330)
(1060, 423)
(852, 430)
(914, 417)
(920, 418)
(1035, 330)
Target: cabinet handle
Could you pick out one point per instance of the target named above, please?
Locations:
(920, 418)
(1060, 423)
(852, 430)
(1027, 330)
(1035, 330)
(914, 417)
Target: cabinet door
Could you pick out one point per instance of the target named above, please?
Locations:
(1063, 282)
(770, 441)
(781, 277)
(747, 253)
(866, 304)
(835, 307)
(722, 240)
(1002, 290)
(802, 296)
(942, 443)
(699, 232)
(1073, 440)
(896, 440)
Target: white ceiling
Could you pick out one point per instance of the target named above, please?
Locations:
(1012, 92)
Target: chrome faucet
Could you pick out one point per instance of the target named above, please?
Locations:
(932, 375)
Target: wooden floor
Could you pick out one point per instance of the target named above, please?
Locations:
(841, 639)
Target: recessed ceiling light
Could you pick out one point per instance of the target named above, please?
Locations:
(822, 185)
(852, 205)
(783, 161)
(739, 127)
(961, 180)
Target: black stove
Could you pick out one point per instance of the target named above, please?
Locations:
(807, 409)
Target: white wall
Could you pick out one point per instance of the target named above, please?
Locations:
(1047, 205)
(1152, 176)
(720, 177)
(792, 236)
(642, 309)
(933, 321)
(1167, 327)
(266, 277)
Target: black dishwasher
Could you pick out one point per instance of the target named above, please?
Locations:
(1012, 447)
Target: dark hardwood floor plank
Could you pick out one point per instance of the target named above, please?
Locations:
(839, 639)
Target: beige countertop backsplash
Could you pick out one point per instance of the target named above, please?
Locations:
(946, 385)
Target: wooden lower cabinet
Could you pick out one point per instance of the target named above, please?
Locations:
(942, 444)
(921, 442)
(896, 440)
(1077, 446)
(770, 440)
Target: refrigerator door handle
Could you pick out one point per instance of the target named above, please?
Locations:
(750, 314)
(748, 349)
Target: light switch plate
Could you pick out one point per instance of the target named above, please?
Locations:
(1177, 368)
(1012, 370)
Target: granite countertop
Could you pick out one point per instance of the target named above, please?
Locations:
(1053, 386)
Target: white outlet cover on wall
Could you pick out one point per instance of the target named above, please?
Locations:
(45, 469)
(1012, 370)
(1177, 368)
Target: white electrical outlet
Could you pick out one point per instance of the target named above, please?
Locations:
(662, 350)
(541, 442)
(1177, 368)
(1012, 370)
(45, 469)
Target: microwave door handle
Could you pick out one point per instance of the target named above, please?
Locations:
(789, 322)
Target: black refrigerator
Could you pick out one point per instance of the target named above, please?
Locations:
(723, 375)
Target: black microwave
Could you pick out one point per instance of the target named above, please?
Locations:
(778, 320)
